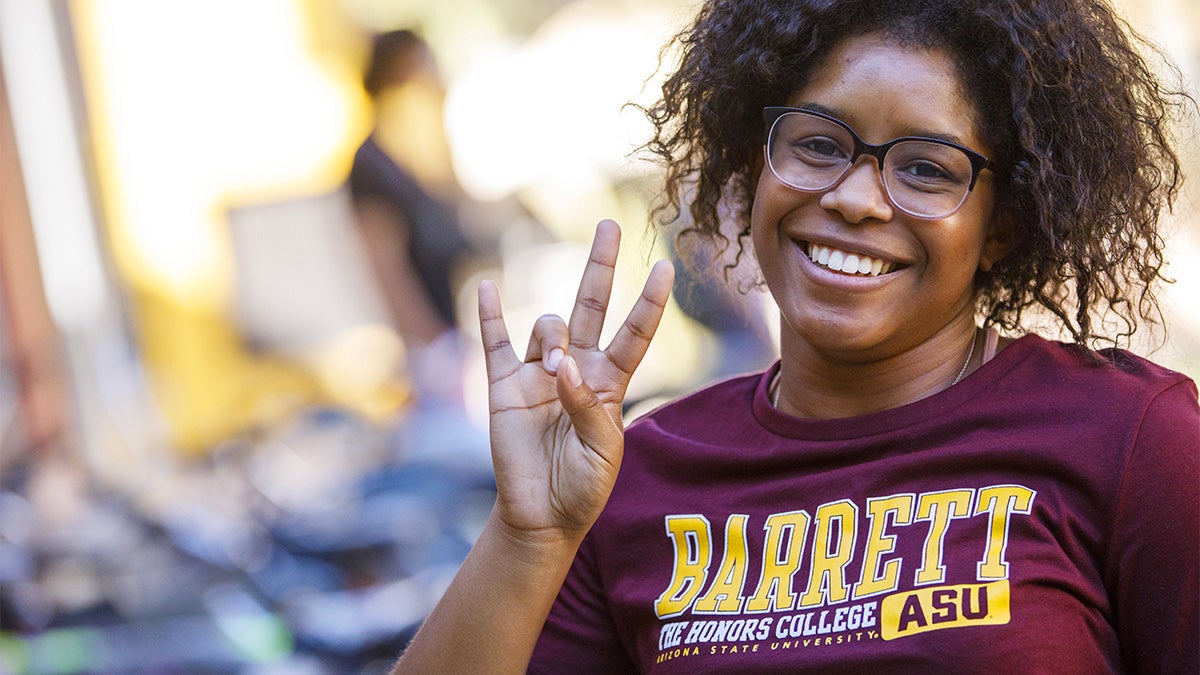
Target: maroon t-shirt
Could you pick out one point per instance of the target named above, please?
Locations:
(1039, 516)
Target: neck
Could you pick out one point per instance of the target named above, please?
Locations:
(815, 384)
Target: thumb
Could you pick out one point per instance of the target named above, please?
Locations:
(593, 423)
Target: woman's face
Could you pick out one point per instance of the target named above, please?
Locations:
(883, 91)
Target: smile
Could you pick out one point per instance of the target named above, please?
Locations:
(847, 262)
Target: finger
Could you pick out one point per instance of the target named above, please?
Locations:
(591, 302)
(630, 343)
(547, 342)
(593, 423)
(498, 353)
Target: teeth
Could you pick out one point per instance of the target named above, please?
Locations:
(848, 263)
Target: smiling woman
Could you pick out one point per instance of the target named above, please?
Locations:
(885, 330)
(906, 489)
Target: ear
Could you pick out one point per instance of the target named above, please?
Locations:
(1001, 236)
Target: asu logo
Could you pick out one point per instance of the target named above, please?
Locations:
(826, 541)
(929, 609)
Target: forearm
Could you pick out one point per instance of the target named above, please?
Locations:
(385, 242)
(490, 617)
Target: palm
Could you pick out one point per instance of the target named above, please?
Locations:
(556, 448)
(546, 471)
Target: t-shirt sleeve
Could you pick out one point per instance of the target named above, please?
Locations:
(1155, 554)
(579, 636)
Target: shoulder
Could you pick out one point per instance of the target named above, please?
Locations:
(703, 412)
(694, 437)
(368, 165)
(1101, 409)
(1071, 369)
(368, 151)
(372, 162)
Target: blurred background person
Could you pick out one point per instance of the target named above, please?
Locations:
(724, 300)
(406, 200)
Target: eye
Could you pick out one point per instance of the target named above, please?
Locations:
(818, 148)
(926, 170)
(928, 166)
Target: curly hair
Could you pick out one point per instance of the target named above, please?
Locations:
(1079, 122)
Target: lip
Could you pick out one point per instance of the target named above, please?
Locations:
(827, 276)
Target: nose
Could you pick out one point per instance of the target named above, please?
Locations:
(860, 196)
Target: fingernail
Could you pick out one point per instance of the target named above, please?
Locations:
(573, 375)
(554, 358)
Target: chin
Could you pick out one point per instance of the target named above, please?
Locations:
(834, 332)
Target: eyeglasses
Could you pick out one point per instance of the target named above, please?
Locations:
(923, 177)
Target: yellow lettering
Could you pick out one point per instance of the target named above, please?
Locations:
(939, 508)
(1000, 502)
(938, 607)
(786, 534)
(833, 544)
(692, 537)
(871, 581)
(725, 594)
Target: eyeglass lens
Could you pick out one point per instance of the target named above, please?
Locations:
(922, 178)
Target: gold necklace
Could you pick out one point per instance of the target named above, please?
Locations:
(777, 385)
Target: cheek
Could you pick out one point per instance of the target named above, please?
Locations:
(981, 217)
(955, 249)
(763, 219)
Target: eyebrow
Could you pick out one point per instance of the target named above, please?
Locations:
(825, 110)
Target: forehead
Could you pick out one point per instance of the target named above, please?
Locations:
(885, 90)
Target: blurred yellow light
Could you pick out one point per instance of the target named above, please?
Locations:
(201, 101)
(198, 108)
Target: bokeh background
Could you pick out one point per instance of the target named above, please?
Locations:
(218, 452)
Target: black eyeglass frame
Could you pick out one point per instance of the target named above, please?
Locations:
(771, 115)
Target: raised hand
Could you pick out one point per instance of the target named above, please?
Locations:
(556, 431)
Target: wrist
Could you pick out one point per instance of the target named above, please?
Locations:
(541, 548)
(490, 617)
